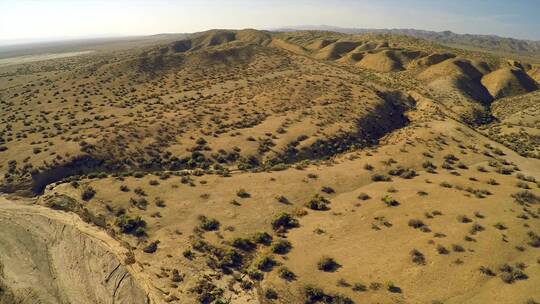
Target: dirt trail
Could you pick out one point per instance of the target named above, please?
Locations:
(48, 256)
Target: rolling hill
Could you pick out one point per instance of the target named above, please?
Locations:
(245, 166)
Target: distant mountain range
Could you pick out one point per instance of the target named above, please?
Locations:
(482, 42)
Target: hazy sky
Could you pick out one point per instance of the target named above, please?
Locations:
(51, 19)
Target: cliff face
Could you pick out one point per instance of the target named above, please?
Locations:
(52, 257)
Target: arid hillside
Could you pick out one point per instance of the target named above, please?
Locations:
(262, 167)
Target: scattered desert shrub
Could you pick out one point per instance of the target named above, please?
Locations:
(139, 191)
(481, 169)
(509, 274)
(405, 173)
(152, 247)
(476, 228)
(286, 274)
(446, 185)
(313, 295)
(500, 226)
(375, 286)
(463, 219)
(493, 182)
(88, 193)
(416, 223)
(391, 287)
(359, 287)
(328, 190)
(284, 221)
(243, 244)
(265, 263)
(62, 202)
(429, 166)
(243, 193)
(262, 238)
(312, 175)
(534, 239)
(207, 292)
(318, 203)
(380, 178)
(526, 197)
(188, 254)
(176, 277)
(487, 271)
(140, 203)
(342, 283)
(282, 199)
(418, 257)
(270, 294)
(363, 196)
(368, 167)
(523, 185)
(327, 264)
(457, 248)
(389, 201)
(442, 250)
(281, 247)
(128, 225)
(208, 224)
(255, 274)
(160, 203)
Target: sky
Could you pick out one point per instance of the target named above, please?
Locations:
(41, 20)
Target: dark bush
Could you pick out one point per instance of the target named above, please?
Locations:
(88, 193)
(152, 247)
(284, 221)
(318, 203)
(244, 244)
(135, 226)
(281, 246)
(208, 224)
(262, 238)
(327, 264)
